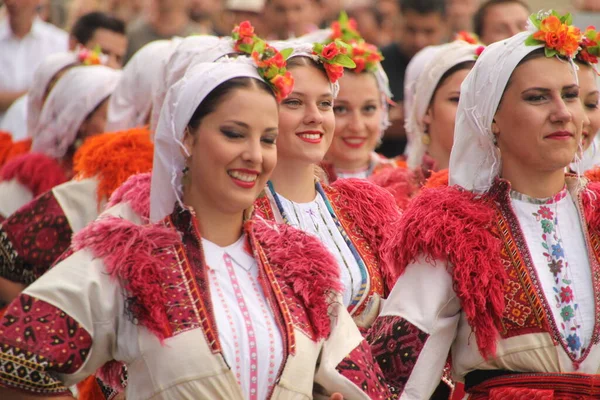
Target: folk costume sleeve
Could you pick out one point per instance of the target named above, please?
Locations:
(412, 336)
(346, 364)
(59, 331)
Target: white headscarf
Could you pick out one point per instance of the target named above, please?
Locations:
(130, 104)
(446, 57)
(181, 102)
(475, 160)
(42, 76)
(191, 50)
(413, 71)
(73, 98)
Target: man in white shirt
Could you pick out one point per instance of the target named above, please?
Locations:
(25, 41)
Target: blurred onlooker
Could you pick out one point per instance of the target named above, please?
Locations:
(423, 23)
(25, 40)
(500, 19)
(125, 10)
(290, 18)
(370, 22)
(237, 11)
(102, 30)
(460, 14)
(328, 11)
(207, 13)
(162, 20)
(587, 5)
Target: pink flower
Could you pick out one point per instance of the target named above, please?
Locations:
(330, 51)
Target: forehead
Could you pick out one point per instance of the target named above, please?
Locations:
(544, 72)
(107, 39)
(587, 79)
(309, 79)
(429, 20)
(506, 12)
(358, 87)
(252, 105)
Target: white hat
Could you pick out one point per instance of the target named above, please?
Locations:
(182, 100)
(132, 100)
(73, 98)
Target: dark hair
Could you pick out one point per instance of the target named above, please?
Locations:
(449, 73)
(301, 61)
(214, 98)
(87, 25)
(479, 17)
(423, 6)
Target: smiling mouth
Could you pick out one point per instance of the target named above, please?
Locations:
(311, 137)
(243, 179)
(354, 142)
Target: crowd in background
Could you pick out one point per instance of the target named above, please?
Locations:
(32, 29)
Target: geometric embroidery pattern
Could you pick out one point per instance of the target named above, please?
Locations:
(32, 239)
(396, 345)
(358, 367)
(42, 338)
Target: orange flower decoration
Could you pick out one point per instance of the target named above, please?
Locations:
(270, 62)
(556, 33)
(590, 46)
(468, 37)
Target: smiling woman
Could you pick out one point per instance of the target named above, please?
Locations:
(207, 302)
(500, 267)
(351, 217)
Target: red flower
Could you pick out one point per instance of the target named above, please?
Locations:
(334, 72)
(546, 213)
(566, 294)
(336, 30)
(330, 51)
(284, 84)
(360, 64)
(245, 29)
(278, 60)
(479, 51)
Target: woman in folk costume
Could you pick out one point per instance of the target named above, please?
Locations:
(351, 216)
(75, 109)
(224, 308)
(502, 267)
(23, 116)
(589, 82)
(361, 109)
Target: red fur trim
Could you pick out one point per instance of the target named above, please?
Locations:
(437, 179)
(129, 254)
(5, 145)
(591, 205)
(113, 158)
(374, 211)
(136, 192)
(400, 182)
(456, 227)
(306, 266)
(112, 374)
(18, 148)
(37, 172)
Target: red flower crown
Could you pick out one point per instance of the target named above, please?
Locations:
(271, 63)
(556, 33)
(365, 56)
(334, 57)
(590, 46)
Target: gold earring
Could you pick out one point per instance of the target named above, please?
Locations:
(426, 139)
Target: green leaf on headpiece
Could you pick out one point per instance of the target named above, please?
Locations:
(286, 53)
(530, 41)
(343, 18)
(341, 43)
(259, 46)
(535, 21)
(246, 48)
(318, 48)
(550, 52)
(569, 19)
(344, 61)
